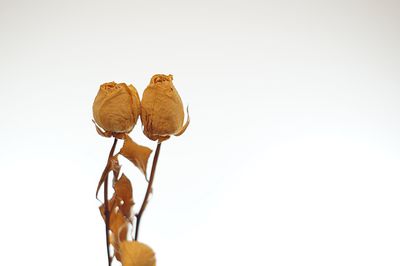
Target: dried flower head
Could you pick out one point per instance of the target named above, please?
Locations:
(162, 112)
(116, 107)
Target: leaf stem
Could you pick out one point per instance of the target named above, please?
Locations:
(106, 210)
(148, 192)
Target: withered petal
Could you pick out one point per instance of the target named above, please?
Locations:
(102, 133)
(185, 126)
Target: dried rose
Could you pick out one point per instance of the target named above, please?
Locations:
(116, 107)
(162, 112)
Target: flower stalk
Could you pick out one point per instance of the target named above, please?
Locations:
(106, 210)
(148, 191)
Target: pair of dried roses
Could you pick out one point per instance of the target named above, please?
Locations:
(116, 110)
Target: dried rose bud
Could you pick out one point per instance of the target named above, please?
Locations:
(162, 112)
(116, 107)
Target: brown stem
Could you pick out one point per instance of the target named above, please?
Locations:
(146, 197)
(106, 210)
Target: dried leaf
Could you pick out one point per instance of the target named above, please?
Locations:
(112, 165)
(123, 193)
(101, 181)
(118, 225)
(134, 253)
(119, 207)
(117, 218)
(115, 167)
(111, 205)
(137, 154)
(119, 231)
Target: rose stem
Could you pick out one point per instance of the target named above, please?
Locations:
(144, 204)
(106, 211)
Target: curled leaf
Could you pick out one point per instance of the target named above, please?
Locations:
(118, 225)
(111, 205)
(119, 231)
(119, 207)
(137, 154)
(134, 253)
(112, 165)
(115, 167)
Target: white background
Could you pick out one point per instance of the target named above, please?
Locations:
(292, 156)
